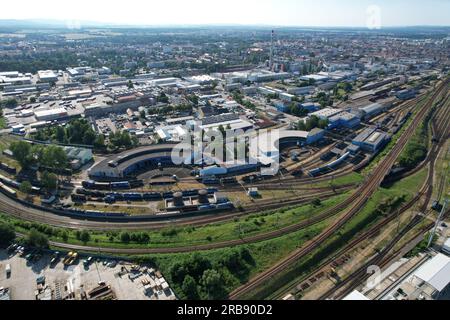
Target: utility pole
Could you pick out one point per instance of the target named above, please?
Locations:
(439, 219)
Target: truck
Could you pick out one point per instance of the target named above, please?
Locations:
(8, 271)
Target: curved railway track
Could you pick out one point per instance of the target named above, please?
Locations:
(359, 199)
(12, 209)
(442, 129)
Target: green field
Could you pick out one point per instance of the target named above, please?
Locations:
(384, 201)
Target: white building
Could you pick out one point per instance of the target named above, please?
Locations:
(432, 279)
(174, 133)
(50, 114)
(47, 76)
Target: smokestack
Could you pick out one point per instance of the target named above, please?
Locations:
(271, 49)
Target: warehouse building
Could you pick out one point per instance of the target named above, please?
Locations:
(78, 156)
(431, 281)
(51, 114)
(326, 113)
(47, 76)
(173, 133)
(372, 110)
(446, 247)
(371, 140)
(344, 119)
(405, 95)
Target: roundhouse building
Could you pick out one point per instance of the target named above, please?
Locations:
(130, 162)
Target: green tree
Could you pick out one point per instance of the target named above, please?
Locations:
(26, 187)
(54, 157)
(49, 181)
(85, 237)
(213, 284)
(7, 234)
(65, 236)
(60, 134)
(125, 237)
(22, 153)
(37, 239)
(89, 137)
(189, 288)
(99, 142)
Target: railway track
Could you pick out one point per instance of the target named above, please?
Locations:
(359, 199)
(48, 218)
(441, 129)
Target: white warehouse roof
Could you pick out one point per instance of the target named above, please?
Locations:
(435, 272)
(356, 296)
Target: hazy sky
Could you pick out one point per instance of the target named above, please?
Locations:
(267, 12)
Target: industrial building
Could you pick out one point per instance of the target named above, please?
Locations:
(431, 281)
(344, 119)
(371, 140)
(173, 133)
(78, 156)
(47, 76)
(326, 113)
(405, 94)
(372, 110)
(446, 247)
(229, 121)
(51, 114)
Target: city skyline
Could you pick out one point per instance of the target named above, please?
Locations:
(288, 13)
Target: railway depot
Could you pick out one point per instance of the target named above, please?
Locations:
(233, 169)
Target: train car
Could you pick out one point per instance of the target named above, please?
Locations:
(190, 193)
(89, 184)
(132, 197)
(207, 207)
(212, 190)
(229, 180)
(225, 206)
(136, 183)
(120, 185)
(210, 181)
(110, 199)
(78, 198)
(8, 190)
(167, 195)
(339, 161)
(117, 196)
(7, 168)
(316, 172)
(151, 196)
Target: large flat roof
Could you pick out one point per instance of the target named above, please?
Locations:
(436, 272)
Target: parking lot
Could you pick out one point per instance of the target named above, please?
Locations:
(124, 280)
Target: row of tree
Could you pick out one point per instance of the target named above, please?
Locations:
(51, 156)
(78, 131)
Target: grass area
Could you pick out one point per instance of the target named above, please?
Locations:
(352, 178)
(384, 201)
(189, 236)
(262, 255)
